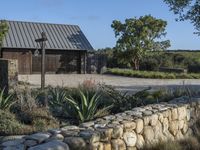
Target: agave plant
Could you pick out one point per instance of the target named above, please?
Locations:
(6, 101)
(57, 97)
(87, 108)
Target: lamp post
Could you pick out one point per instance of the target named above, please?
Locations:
(42, 42)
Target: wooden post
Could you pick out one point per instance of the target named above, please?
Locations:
(43, 67)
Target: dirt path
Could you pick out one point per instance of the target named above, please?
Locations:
(122, 83)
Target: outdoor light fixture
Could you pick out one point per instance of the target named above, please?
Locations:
(42, 42)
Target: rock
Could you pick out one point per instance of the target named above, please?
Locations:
(75, 143)
(12, 137)
(13, 142)
(189, 132)
(67, 133)
(16, 147)
(165, 125)
(130, 138)
(57, 137)
(90, 136)
(182, 113)
(147, 113)
(188, 115)
(138, 109)
(100, 125)
(39, 137)
(87, 124)
(174, 114)
(110, 117)
(148, 134)
(70, 128)
(158, 134)
(153, 120)
(173, 127)
(30, 143)
(160, 117)
(179, 136)
(181, 124)
(146, 120)
(53, 145)
(140, 141)
(185, 128)
(165, 114)
(107, 146)
(128, 125)
(139, 125)
(54, 131)
(117, 131)
(96, 146)
(118, 144)
(131, 148)
(105, 134)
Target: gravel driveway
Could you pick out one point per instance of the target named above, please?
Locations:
(121, 83)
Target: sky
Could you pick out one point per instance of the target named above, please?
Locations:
(95, 18)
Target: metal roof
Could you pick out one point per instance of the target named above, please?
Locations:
(60, 36)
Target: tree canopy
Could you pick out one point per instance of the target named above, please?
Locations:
(187, 10)
(137, 36)
(3, 30)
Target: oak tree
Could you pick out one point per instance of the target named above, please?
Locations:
(3, 31)
(137, 36)
(186, 10)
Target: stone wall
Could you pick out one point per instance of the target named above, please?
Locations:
(129, 130)
(8, 73)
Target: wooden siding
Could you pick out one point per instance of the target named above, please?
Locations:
(56, 61)
(24, 60)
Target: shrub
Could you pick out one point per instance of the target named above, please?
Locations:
(56, 100)
(31, 117)
(86, 107)
(6, 101)
(151, 74)
(9, 124)
(123, 101)
(194, 68)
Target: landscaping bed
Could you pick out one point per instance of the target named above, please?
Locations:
(138, 128)
(152, 74)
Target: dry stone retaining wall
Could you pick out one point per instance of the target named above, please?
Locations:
(129, 130)
(8, 73)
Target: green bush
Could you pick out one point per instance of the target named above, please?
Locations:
(87, 108)
(30, 117)
(6, 101)
(9, 124)
(152, 74)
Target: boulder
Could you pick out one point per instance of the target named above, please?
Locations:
(139, 125)
(75, 143)
(53, 145)
(130, 138)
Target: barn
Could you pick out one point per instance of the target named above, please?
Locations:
(66, 48)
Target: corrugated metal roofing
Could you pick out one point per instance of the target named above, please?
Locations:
(60, 36)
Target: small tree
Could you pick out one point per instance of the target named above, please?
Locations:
(3, 31)
(137, 36)
(187, 10)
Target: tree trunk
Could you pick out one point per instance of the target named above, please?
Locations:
(136, 65)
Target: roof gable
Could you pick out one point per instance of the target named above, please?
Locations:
(60, 36)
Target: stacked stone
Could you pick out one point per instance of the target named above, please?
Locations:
(129, 130)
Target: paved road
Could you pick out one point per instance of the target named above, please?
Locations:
(121, 83)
